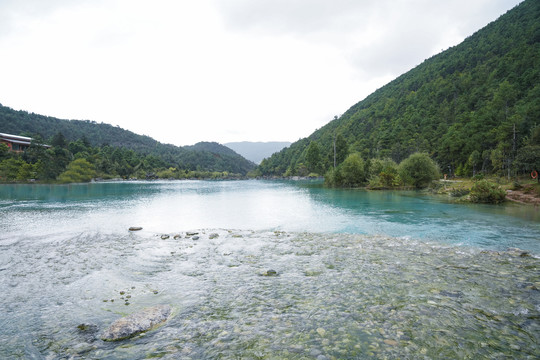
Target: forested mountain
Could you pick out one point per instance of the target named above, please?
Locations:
(203, 156)
(475, 105)
(257, 151)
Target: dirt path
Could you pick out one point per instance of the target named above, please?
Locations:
(523, 196)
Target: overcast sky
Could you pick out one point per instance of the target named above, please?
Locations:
(184, 71)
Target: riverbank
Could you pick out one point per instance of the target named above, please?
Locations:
(526, 193)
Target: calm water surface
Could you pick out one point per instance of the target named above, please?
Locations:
(360, 274)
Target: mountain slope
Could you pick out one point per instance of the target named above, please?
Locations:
(207, 156)
(257, 151)
(479, 97)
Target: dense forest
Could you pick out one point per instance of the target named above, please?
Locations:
(472, 108)
(111, 152)
(78, 161)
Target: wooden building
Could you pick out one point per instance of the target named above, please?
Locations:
(15, 143)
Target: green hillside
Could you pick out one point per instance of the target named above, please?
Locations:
(203, 156)
(475, 106)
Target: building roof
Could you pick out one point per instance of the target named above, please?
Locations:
(16, 139)
(21, 140)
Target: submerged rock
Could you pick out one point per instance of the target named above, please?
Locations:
(270, 272)
(452, 294)
(136, 323)
(518, 252)
(213, 236)
(88, 332)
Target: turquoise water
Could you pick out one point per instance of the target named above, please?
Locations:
(258, 205)
(360, 274)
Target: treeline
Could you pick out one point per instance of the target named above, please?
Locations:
(206, 156)
(473, 108)
(79, 161)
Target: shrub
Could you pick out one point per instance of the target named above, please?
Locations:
(9, 169)
(478, 177)
(333, 177)
(484, 191)
(352, 170)
(79, 170)
(419, 170)
(384, 172)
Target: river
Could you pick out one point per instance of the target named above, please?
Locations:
(360, 274)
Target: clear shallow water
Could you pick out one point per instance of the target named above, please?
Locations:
(400, 289)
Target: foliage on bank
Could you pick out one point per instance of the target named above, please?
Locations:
(417, 171)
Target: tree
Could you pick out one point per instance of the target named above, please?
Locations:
(79, 170)
(341, 149)
(9, 169)
(4, 151)
(352, 170)
(528, 159)
(474, 159)
(26, 172)
(419, 170)
(313, 157)
(59, 140)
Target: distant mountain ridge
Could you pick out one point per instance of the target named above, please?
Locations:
(205, 156)
(257, 151)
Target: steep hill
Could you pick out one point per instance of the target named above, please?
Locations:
(257, 151)
(203, 156)
(480, 98)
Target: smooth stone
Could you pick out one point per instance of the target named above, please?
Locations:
(315, 352)
(195, 238)
(176, 237)
(136, 323)
(135, 228)
(192, 233)
(391, 342)
(164, 237)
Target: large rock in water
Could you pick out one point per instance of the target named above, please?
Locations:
(136, 323)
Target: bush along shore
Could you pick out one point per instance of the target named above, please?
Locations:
(489, 191)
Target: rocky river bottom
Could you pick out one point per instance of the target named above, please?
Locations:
(239, 294)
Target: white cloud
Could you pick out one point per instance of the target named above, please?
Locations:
(215, 70)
